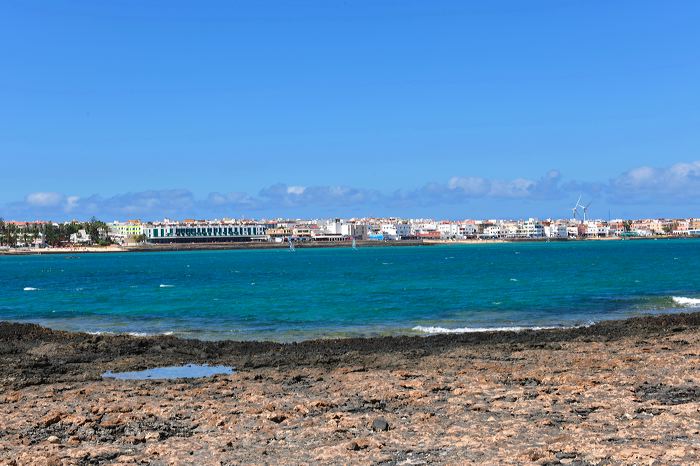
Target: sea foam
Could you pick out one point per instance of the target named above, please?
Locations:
(29, 288)
(436, 330)
(683, 301)
(132, 334)
(166, 286)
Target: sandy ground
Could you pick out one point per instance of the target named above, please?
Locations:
(625, 392)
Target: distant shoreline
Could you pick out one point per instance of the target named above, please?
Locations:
(302, 245)
(203, 247)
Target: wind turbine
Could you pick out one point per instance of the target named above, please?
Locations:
(585, 211)
(574, 210)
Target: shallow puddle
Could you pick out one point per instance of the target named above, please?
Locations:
(188, 371)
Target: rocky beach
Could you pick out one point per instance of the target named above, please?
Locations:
(618, 392)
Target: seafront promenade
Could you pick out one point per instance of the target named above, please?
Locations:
(309, 244)
(202, 247)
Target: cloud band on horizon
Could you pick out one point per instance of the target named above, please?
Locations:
(673, 185)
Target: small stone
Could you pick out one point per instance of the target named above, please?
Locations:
(380, 424)
(53, 439)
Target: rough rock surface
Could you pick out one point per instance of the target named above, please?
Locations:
(625, 392)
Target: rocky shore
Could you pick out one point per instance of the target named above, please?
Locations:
(619, 392)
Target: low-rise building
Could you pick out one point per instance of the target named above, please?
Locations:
(80, 237)
(203, 232)
(468, 230)
(530, 229)
(556, 231)
(448, 230)
(596, 229)
(125, 232)
(492, 231)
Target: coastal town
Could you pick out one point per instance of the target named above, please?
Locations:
(23, 235)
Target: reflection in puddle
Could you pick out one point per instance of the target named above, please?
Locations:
(188, 371)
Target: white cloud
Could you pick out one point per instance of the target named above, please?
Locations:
(677, 182)
(473, 186)
(234, 199)
(328, 196)
(464, 188)
(44, 199)
(71, 203)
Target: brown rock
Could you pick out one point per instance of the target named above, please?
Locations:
(51, 418)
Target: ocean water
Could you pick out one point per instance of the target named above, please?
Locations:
(336, 292)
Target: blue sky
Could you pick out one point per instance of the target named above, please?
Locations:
(451, 109)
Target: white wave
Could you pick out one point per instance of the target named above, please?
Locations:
(436, 330)
(166, 286)
(29, 288)
(133, 334)
(514, 279)
(683, 301)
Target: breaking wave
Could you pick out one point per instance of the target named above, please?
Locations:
(29, 288)
(148, 334)
(689, 302)
(436, 330)
(133, 334)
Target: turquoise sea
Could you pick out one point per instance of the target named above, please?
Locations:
(334, 292)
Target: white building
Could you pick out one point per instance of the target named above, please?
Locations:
(556, 230)
(80, 237)
(203, 232)
(448, 230)
(509, 229)
(596, 230)
(468, 230)
(403, 230)
(389, 231)
(493, 231)
(642, 232)
(423, 227)
(530, 229)
(334, 227)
